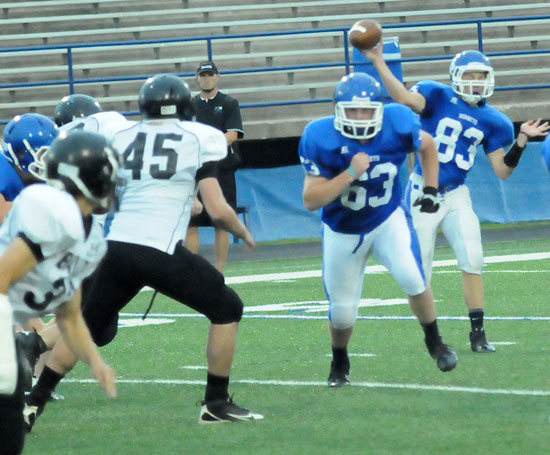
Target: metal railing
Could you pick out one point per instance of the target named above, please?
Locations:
(71, 81)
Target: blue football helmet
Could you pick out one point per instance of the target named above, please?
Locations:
(26, 136)
(472, 61)
(358, 91)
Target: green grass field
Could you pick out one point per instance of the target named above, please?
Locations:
(399, 402)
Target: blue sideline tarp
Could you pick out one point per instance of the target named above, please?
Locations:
(274, 197)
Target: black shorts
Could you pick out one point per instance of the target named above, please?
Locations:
(183, 276)
(226, 179)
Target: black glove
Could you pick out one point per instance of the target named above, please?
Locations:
(428, 201)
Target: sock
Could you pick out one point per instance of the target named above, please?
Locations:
(340, 357)
(47, 382)
(431, 332)
(40, 345)
(476, 319)
(216, 388)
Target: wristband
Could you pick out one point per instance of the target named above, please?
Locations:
(511, 159)
(431, 190)
(350, 170)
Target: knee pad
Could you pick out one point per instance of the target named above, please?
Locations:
(470, 260)
(102, 332)
(342, 316)
(227, 310)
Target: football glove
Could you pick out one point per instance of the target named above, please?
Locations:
(428, 201)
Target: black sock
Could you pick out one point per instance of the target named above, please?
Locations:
(340, 357)
(47, 382)
(476, 319)
(216, 388)
(431, 332)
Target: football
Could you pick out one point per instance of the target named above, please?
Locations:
(365, 34)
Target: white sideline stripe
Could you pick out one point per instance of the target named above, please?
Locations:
(355, 355)
(359, 318)
(381, 268)
(374, 269)
(370, 385)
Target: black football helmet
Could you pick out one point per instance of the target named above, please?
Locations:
(75, 106)
(84, 163)
(165, 96)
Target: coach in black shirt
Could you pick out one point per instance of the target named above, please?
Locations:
(221, 111)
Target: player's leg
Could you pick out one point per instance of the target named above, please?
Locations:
(344, 260)
(226, 179)
(425, 224)
(461, 228)
(396, 247)
(195, 282)
(221, 247)
(192, 241)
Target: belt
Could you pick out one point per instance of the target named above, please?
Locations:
(441, 189)
(446, 188)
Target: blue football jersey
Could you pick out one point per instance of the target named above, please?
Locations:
(10, 182)
(370, 200)
(458, 130)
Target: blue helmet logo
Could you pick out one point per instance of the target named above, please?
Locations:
(25, 136)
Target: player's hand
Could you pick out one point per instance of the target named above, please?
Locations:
(105, 375)
(249, 241)
(374, 53)
(359, 163)
(197, 207)
(533, 128)
(428, 201)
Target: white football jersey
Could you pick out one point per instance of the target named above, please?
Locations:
(107, 123)
(161, 160)
(50, 219)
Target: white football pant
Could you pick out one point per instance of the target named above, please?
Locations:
(459, 224)
(345, 256)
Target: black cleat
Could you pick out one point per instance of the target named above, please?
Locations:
(219, 411)
(479, 343)
(338, 377)
(446, 358)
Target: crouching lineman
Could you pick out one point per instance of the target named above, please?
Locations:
(165, 155)
(48, 244)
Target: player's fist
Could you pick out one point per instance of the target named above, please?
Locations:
(428, 201)
(359, 164)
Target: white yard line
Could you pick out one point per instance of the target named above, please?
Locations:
(379, 268)
(364, 384)
(359, 318)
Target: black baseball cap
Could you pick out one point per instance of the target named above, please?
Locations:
(209, 66)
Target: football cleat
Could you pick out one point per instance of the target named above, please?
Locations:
(338, 377)
(446, 358)
(225, 410)
(479, 343)
(30, 414)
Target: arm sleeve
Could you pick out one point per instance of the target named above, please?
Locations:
(233, 121)
(208, 169)
(502, 134)
(406, 125)
(213, 145)
(429, 90)
(310, 153)
(47, 225)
